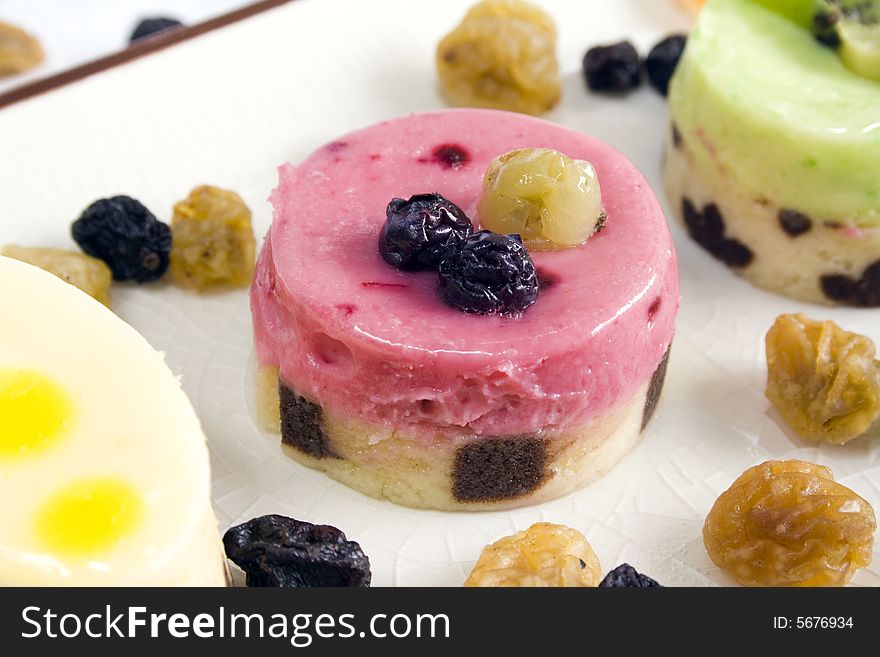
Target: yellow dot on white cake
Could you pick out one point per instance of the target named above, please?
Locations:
(89, 516)
(34, 412)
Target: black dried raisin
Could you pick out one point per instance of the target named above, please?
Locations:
(490, 274)
(625, 576)
(615, 68)
(662, 59)
(418, 233)
(123, 233)
(275, 550)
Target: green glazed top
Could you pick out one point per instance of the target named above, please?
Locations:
(758, 99)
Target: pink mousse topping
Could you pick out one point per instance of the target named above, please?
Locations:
(369, 341)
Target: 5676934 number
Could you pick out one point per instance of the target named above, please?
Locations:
(823, 622)
(813, 622)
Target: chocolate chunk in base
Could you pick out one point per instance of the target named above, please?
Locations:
(794, 223)
(870, 286)
(734, 253)
(839, 287)
(702, 226)
(301, 424)
(706, 228)
(498, 469)
(654, 389)
(863, 293)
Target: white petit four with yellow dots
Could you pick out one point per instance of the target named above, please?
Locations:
(104, 472)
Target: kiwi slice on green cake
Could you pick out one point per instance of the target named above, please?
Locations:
(850, 26)
(859, 31)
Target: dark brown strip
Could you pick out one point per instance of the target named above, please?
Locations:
(490, 470)
(302, 424)
(654, 389)
(135, 51)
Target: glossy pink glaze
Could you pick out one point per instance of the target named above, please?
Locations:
(367, 340)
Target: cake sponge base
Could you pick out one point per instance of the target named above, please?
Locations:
(460, 472)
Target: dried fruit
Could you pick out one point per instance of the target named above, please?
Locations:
(490, 274)
(503, 56)
(275, 550)
(89, 274)
(19, 51)
(551, 200)
(662, 59)
(213, 240)
(823, 380)
(788, 523)
(124, 234)
(150, 26)
(625, 576)
(543, 555)
(615, 68)
(420, 232)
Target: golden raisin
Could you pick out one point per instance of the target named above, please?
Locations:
(543, 555)
(90, 275)
(823, 380)
(19, 51)
(213, 240)
(502, 56)
(788, 523)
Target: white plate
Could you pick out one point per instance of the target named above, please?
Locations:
(227, 107)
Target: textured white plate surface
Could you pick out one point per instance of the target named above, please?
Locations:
(227, 107)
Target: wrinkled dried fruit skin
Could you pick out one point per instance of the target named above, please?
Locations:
(489, 274)
(544, 555)
(615, 68)
(625, 576)
(788, 523)
(19, 51)
(823, 380)
(550, 200)
(123, 233)
(418, 233)
(502, 56)
(275, 550)
(214, 242)
(89, 274)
